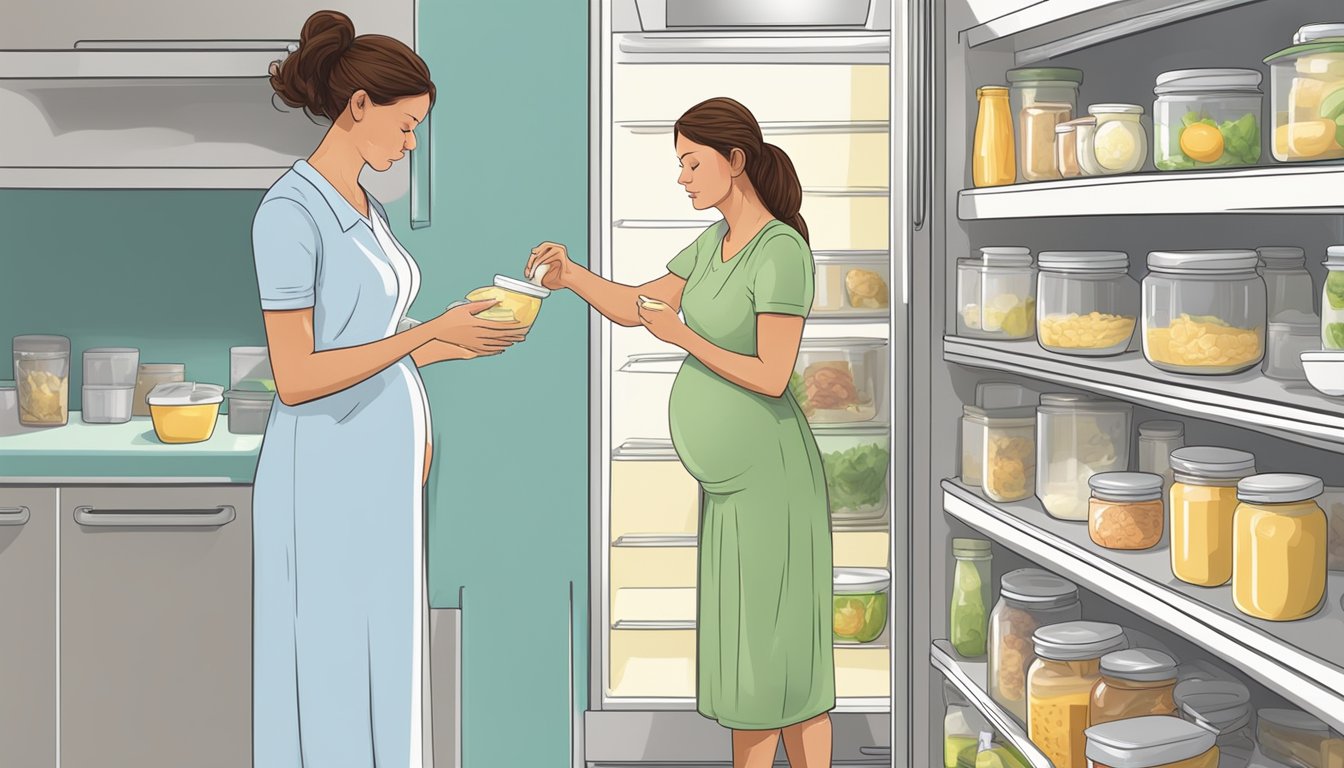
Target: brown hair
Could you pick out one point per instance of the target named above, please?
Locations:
(724, 125)
(331, 63)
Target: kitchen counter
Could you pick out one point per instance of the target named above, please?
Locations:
(126, 453)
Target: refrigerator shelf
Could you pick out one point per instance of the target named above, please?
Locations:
(970, 677)
(1247, 400)
(1314, 188)
(1300, 660)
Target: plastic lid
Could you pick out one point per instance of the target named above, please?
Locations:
(1279, 488)
(1295, 719)
(1075, 640)
(185, 393)
(1281, 255)
(1295, 322)
(1203, 261)
(1334, 256)
(1115, 109)
(41, 345)
(1082, 261)
(1033, 585)
(521, 286)
(1139, 664)
(1223, 705)
(1145, 742)
(1161, 429)
(1045, 74)
(1126, 486)
(1178, 80)
(971, 548)
(1309, 33)
(855, 581)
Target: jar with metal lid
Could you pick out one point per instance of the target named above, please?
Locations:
(1029, 598)
(1157, 439)
(992, 151)
(1332, 300)
(1086, 145)
(962, 725)
(1306, 84)
(968, 617)
(1078, 435)
(1224, 707)
(1203, 504)
(1125, 511)
(1279, 540)
(1288, 737)
(1206, 118)
(1156, 741)
(1290, 334)
(1041, 98)
(1059, 686)
(991, 398)
(1086, 302)
(1134, 683)
(1288, 285)
(996, 294)
(1120, 144)
(1203, 311)
(42, 379)
(1066, 149)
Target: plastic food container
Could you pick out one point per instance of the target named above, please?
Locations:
(1041, 99)
(1029, 599)
(1151, 742)
(972, 579)
(1120, 144)
(1290, 334)
(851, 284)
(1008, 458)
(962, 726)
(1203, 506)
(996, 294)
(1290, 736)
(1078, 436)
(519, 300)
(1206, 118)
(1224, 707)
(1134, 683)
(1125, 511)
(1203, 311)
(990, 398)
(992, 151)
(1086, 145)
(106, 405)
(1086, 302)
(840, 380)
(185, 411)
(1279, 543)
(1307, 94)
(150, 375)
(1288, 285)
(42, 378)
(1066, 149)
(1059, 686)
(1157, 439)
(856, 461)
(110, 367)
(860, 600)
(1332, 300)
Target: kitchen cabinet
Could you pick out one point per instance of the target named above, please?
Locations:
(28, 605)
(155, 626)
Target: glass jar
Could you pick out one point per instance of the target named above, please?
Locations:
(1087, 304)
(1206, 118)
(992, 154)
(1278, 571)
(1066, 149)
(1290, 736)
(1134, 683)
(1041, 99)
(42, 378)
(1203, 504)
(1157, 439)
(1155, 741)
(1029, 599)
(962, 725)
(1223, 707)
(1332, 300)
(1086, 130)
(968, 617)
(1290, 334)
(1307, 94)
(1125, 511)
(1078, 436)
(996, 294)
(1059, 686)
(1008, 460)
(1288, 285)
(1120, 145)
(1203, 311)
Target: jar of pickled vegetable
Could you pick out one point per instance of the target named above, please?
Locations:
(1332, 300)
(1029, 599)
(968, 616)
(1278, 572)
(1087, 304)
(1206, 118)
(1203, 503)
(1151, 742)
(1134, 682)
(1059, 686)
(1204, 311)
(1125, 511)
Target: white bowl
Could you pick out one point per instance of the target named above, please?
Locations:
(1325, 370)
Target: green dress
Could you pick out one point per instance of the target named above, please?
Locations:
(765, 656)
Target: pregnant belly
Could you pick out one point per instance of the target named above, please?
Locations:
(722, 431)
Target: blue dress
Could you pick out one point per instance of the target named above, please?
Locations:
(338, 539)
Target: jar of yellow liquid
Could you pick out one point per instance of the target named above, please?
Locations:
(1203, 502)
(993, 158)
(1059, 686)
(1278, 572)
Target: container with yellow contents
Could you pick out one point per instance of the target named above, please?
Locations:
(1204, 311)
(1086, 302)
(1279, 544)
(1203, 502)
(1059, 686)
(1155, 741)
(185, 411)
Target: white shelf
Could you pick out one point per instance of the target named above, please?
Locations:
(1248, 400)
(970, 677)
(139, 178)
(187, 63)
(1307, 188)
(653, 608)
(1301, 660)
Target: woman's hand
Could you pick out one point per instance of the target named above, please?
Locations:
(460, 327)
(559, 269)
(663, 323)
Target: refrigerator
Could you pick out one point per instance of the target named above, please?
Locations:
(876, 104)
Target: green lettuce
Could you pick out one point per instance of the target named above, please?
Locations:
(857, 477)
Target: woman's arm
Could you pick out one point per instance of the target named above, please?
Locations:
(767, 372)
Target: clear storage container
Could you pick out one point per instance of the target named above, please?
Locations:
(1307, 94)
(42, 378)
(150, 375)
(1059, 686)
(856, 459)
(1078, 436)
(968, 617)
(1223, 707)
(185, 411)
(1029, 599)
(839, 381)
(1120, 144)
(1332, 300)
(1288, 285)
(1279, 540)
(1206, 118)
(1290, 334)
(1086, 302)
(1157, 439)
(1041, 99)
(859, 596)
(1290, 736)
(1134, 683)
(851, 284)
(110, 366)
(1203, 311)
(1086, 145)
(1203, 504)
(1008, 459)
(992, 153)
(1151, 742)
(1125, 511)
(996, 294)
(962, 725)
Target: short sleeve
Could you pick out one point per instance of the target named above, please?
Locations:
(285, 247)
(683, 264)
(783, 279)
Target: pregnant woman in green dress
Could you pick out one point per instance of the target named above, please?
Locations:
(745, 285)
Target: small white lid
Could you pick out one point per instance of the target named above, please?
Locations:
(853, 581)
(1308, 33)
(1212, 462)
(1295, 719)
(521, 286)
(1082, 261)
(1076, 640)
(1126, 486)
(1161, 428)
(1178, 80)
(1139, 664)
(1281, 255)
(185, 393)
(1203, 261)
(1033, 585)
(1279, 488)
(1224, 705)
(1147, 742)
(1115, 109)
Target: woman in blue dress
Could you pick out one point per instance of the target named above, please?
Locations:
(338, 544)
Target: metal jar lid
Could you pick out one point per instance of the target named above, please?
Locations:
(1211, 462)
(1077, 640)
(1279, 488)
(1140, 665)
(1126, 486)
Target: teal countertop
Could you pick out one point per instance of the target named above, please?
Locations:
(127, 452)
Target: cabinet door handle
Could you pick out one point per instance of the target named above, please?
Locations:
(13, 515)
(155, 518)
